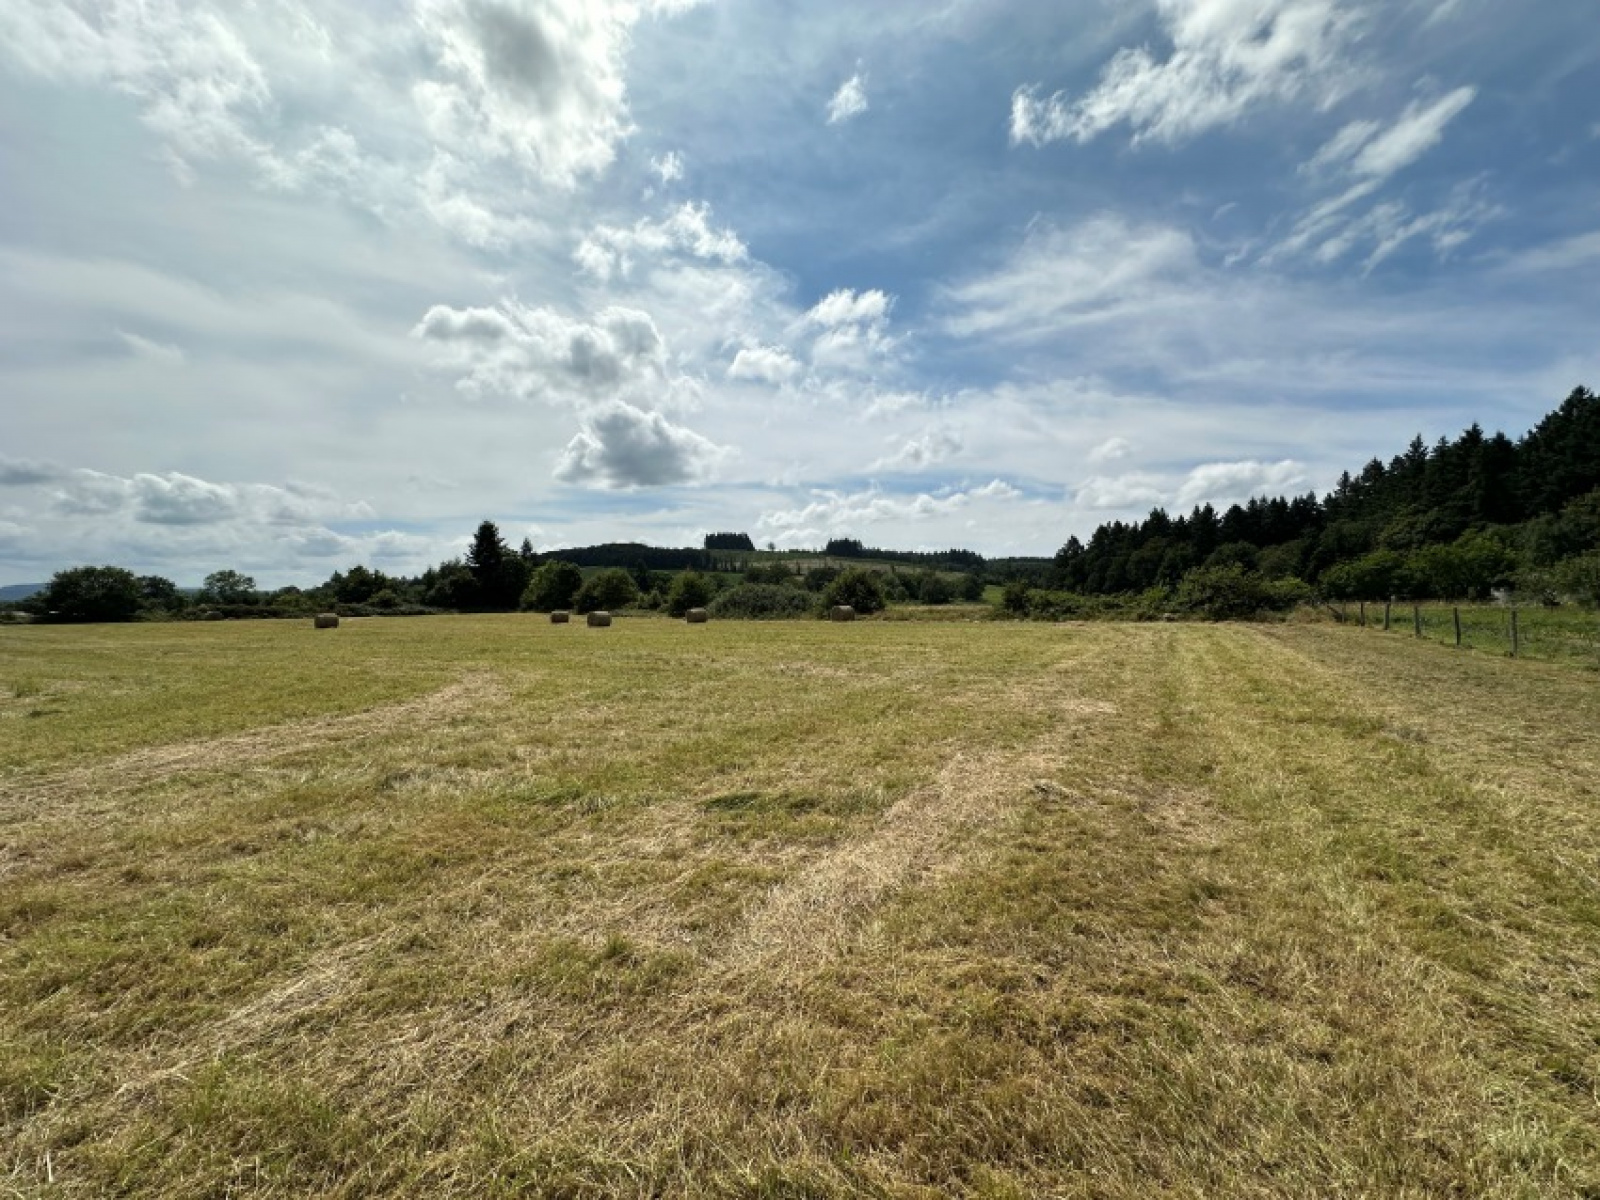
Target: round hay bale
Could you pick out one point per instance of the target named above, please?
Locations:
(326, 621)
(697, 616)
(841, 612)
(599, 620)
(560, 617)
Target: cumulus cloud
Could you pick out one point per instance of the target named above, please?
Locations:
(1228, 58)
(831, 513)
(609, 251)
(538, 354)
(845, 307)
(621, 446)
(1062, 277)
(24, 472)
(155, 520)
(539, 84)
(996, 489)
(931, 447)
(1227, 483)
(1111, 450)
(849, 101)
(854, 327)
(1136, 490)
(764, 364)
(476, 99)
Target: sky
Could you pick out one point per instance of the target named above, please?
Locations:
(289, 286)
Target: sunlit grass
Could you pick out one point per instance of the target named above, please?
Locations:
(484, 906)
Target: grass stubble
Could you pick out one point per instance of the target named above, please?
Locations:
(482, 906)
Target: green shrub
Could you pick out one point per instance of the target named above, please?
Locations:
(607, 590)
(1231, 593)
(689, 589)
(857, 587)
(761, 602)
(554, 585)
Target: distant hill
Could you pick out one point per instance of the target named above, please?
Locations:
(12, 592)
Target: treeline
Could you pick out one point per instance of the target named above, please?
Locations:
(493, 577)
(1455, 520)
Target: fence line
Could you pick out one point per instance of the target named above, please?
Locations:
(1566, 633)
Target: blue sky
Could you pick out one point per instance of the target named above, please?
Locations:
(288, 286)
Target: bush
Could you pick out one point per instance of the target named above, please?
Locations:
(1580, 576)
(607, 590)
(90, 594)
(1231, 593)
(761, 602)
(690, 589)
(857, 587)
(554, 585)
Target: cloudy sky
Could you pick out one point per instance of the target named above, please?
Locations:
(289, 285)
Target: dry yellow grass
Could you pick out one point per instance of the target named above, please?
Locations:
(484, 906)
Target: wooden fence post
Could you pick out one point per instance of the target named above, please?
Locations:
(1416, 618)
(1363, 618)
(1386, 606)
(1457, 612)
(1515, 640)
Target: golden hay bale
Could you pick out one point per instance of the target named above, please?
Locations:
(599, 620)
(326, 621)
(697, 616)
(560, 617)
(841, 612)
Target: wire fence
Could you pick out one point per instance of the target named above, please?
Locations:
(1560, 634)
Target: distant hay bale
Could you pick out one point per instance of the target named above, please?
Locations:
(599, 620)
(213, 615)
(326, 621)
(560, 617)
(841, 612)
(697, 616)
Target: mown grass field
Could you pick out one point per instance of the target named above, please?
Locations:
(486, 907)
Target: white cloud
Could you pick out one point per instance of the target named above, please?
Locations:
(931, 447)
(1358, 160)
(150, 520)
(1061, 277)
(1368, 151)
(153, 351)
(1118, 492)
(1228, 57)
(832, 514)
(1111, 450)
(1227, 483)
(996, 489)
(621, 446)
(668, 167)
(535, 83)
(493, 105)
(849, 101)
(609, 250)
(854, 328)
(845, 307)
(538, 354)
(765, 364)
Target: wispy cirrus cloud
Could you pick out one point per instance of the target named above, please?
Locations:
(1227, 59)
